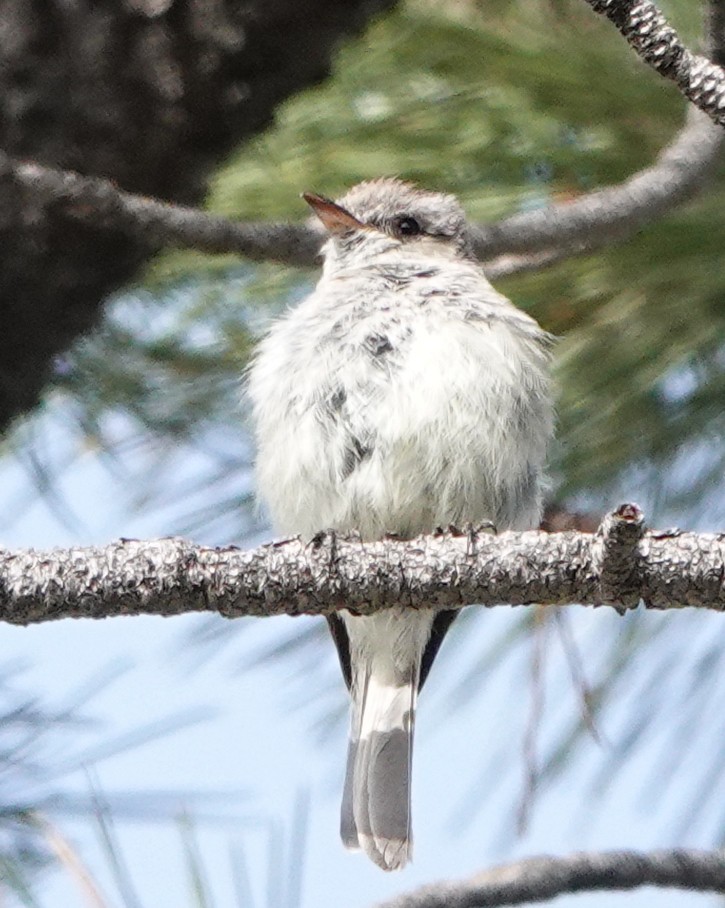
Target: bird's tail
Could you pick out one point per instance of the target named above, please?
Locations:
(376, 800)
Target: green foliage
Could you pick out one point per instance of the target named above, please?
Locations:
(499, 112)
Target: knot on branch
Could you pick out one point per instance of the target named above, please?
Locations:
(324, 550)
(617, 555)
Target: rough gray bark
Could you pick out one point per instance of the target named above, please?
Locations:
(150, 94)
(543, 878)
(619, 565)
(658, 44)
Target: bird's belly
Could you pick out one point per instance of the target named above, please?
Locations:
(424, 431)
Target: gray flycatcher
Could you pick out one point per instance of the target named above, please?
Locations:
(403, 394)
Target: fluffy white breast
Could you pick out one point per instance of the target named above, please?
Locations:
(400, 397)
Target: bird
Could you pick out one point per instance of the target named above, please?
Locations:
(403, 394)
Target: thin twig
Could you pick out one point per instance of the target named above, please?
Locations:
(577, 674)
(537, 705)
(71, 860)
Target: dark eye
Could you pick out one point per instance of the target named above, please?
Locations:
(407, 227)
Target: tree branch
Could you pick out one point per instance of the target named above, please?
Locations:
(99, 201)
(619, 565)
(153, 94)
(541, 879)
(595, 219)
(537, 239)
(658, 44)
(523, 242)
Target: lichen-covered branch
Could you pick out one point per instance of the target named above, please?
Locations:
(543, 878)
(620, 565)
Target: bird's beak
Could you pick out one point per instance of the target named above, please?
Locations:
(335, 218)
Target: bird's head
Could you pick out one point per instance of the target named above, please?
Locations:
(380, 216)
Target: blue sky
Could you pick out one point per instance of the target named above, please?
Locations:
(253, 744)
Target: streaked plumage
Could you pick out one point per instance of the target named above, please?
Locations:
(403, 394)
